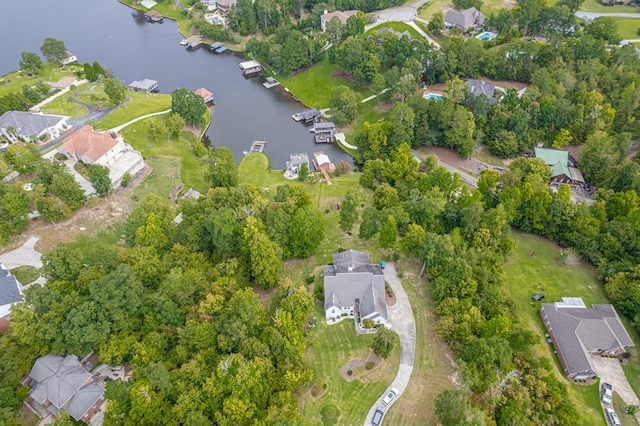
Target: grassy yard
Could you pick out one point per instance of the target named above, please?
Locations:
(139, 104)
(625, 419)
(628, 27)
(596, 6)
(488, 6)
(62, 106)
(336, 345)
(536, 267)
(26, 274)
(313, 86)
(13, 82)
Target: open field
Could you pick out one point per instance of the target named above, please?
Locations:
(313, 86)
(336, 345)
(139, 104)
(536, 267)
(628, 28)
(596, 6)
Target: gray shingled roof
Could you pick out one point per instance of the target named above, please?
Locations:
(465, 18)
(579, 330)
(352, 277)
(61, 380)
(10, 289)
(28, 123)
(479, 87)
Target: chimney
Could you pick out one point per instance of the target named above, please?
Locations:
(325, 12)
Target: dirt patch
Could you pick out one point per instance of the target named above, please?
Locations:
(358, 366)
(450, 156)
(390, 296)
(264, 295)
(317, 390)
(384, 107)
(343, 75)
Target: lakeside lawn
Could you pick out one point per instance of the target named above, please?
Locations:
(62, 106)
(336, 345)
(628, 27)
(13, 82)
(536, 267)
(139, 104)
(596, 6)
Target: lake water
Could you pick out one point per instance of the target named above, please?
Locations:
(120, 39)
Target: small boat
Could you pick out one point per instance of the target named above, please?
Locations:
(184, 42)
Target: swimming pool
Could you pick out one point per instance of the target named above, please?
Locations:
(432, 96)
(486, 36)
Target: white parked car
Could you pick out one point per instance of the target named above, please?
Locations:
(393, 392)
(612, 417)
(607, 394)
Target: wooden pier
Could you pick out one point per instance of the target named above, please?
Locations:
(192, 42)
(258, 146)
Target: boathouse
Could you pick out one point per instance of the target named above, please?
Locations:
(308, 116)
(207, 96)
(153, 16)
(271, 82)
(250, 68)
(324, 132)
(145, 85)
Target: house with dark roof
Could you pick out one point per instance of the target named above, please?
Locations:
(342, 17)
(354, 288)
(10, 294)
(480, 87)
(562, 170)
(464, 19)
(145, 85)
(62, 383)
(578, 333)
(105, 148)
(27, 126)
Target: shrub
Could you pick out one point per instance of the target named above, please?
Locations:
(330, 415)
(350, 372)
(370, 365)
(126, 179)
(324, 386)
(310, 279)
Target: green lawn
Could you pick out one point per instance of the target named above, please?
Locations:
(62, 106)
(596, 6)
(25, 274)
(336, 345)
(13, 82)
(314, 85)
(139, 104)
(398, 26)
(488, 6)
(536, 267)
(628, 28)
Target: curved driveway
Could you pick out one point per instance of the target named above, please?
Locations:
(402, 322)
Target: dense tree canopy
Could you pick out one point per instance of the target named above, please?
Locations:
(54, 50)
(189, 106)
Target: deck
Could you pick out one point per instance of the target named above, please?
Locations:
(271, 82)
(258, 147)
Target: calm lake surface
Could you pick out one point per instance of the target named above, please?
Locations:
(120, 39)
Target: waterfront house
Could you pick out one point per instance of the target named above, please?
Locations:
(562, 170)
(105, 148)
(342, 17)
(295, 163)
(250, 67)
(206, 95)
(145, 85)
(29, 126)
(10, 294)
(62, 383)
(465, 19)
(354, 288)
(578, 333)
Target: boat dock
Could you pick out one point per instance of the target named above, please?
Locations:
(206, 95)
(308, 116)
(250, 68)
(271, 82)
(192, 42)
(258, 146)
(324, 132)
(153, 16)
(217, 47)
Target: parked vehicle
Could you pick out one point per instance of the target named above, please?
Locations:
(612, 417)
(393, 392)
(538, 297)
(607, 393)
(377, 417)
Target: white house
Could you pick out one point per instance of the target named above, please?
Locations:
(22, 125)
(352, 285)
(105, 148)
(71, 58)
(10, 293)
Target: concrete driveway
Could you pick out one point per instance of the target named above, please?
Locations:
(610, 371)
(25, 255)
(404, 13)
(400, 320)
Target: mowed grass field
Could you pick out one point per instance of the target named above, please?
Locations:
(628, 28)
(337, 344)
(139, 104)
(536, 267)
(596, 6)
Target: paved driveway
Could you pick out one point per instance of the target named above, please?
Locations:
(610, 371)
(404, 13)
(402, 322)
(25, 255)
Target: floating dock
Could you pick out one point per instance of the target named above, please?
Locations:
(217, 47)
(258, 146)
(271, 82)
(250, 68)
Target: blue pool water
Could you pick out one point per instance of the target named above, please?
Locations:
(434, 97)
(485, 36)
